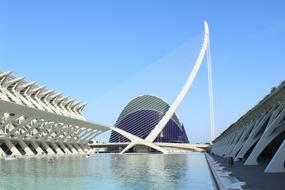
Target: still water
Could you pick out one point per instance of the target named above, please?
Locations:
(126, 172)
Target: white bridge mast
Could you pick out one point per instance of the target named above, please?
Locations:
(211, 95)
(162, 123)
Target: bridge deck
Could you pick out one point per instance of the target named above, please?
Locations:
(184, 146)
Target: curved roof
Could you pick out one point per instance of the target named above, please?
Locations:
(147, 102)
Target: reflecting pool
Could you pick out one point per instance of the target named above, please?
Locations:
(106, 171)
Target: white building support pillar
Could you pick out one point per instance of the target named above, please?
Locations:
(240, 143)
(37, 147)
(85, 148)
(254, 136)
(73, 150)
(58, 150)
(228, 144)
(236, 141)
(2, 153)
(277, 162)
(273, 129)
(238, 134)
(66, 150)
(13, 149)
(48, 149)
(25, 147)
(79, 149)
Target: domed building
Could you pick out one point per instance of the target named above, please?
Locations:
(140, 117)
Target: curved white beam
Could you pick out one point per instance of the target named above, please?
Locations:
(37, 90)
(47, 92)
(69, 101)
(5, 74)
(55, 95)
(11, 82)
(75, 105)
(3, 77)
(81, 107)
(27, 85)
(48, 116)
(135, 140)
(162, 123)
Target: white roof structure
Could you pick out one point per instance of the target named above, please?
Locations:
(35, 120)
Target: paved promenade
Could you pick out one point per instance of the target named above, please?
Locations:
(254, 176)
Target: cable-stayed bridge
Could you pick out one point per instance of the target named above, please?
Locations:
(38, 121)
(157, 131)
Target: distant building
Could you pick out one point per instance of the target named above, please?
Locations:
(140, 117)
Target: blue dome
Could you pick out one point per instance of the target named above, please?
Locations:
(140, 117)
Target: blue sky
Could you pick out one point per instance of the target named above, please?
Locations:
(88, 48)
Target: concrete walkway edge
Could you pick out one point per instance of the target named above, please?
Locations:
(224, 179)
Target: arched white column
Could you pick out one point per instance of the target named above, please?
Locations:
(162, 123)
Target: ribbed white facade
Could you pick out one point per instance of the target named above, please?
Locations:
(38, 121)
(258, 137)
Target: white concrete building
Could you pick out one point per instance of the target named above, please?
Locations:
(38, 121)
(258, 137)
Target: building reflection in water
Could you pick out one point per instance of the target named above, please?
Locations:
(149, 170)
